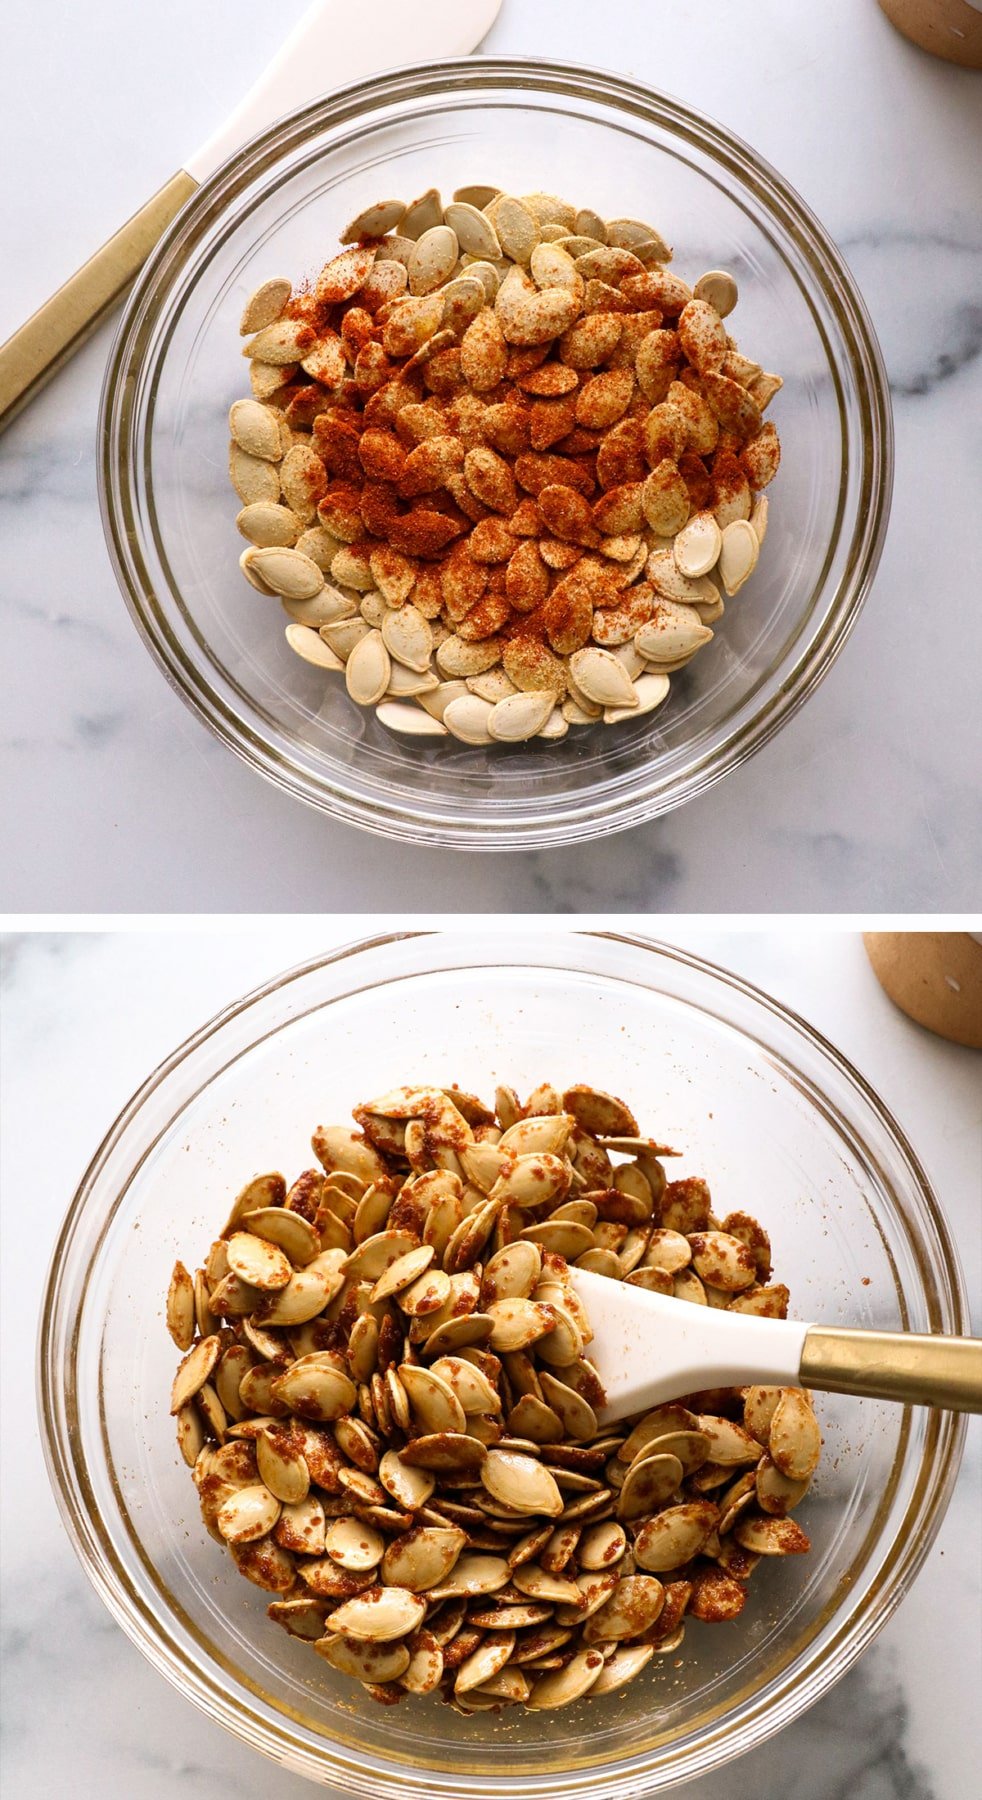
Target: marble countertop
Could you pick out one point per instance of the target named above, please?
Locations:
(84, 1714)
(117, 798)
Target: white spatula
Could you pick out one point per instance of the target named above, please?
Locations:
(335, 42)
(649, 1348)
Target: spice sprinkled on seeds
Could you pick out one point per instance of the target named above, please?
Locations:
(539, 438)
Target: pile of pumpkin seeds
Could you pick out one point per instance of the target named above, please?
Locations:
(391, 1416)
(500, 464)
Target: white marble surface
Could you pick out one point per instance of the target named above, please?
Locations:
(84, 1020)
(117, 798)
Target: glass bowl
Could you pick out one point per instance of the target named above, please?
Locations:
(775, 1118)
(278, 207)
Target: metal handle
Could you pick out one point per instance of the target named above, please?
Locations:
(62, 324)
(895, 1365)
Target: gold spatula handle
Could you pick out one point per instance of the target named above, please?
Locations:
(895, 1365)
(61, 325)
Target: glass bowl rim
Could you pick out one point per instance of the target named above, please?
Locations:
(643, 794)
(726, 1737)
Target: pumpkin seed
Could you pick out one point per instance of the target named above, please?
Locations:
(648, 1484)
(403, 1271)
(432, 1400)
(545, 1135)
(247, 1514)
(475, 233)
(301, 1618)
(627, 1661)
(690, 1447)
(446, 1452)
(508, 1684)
(518, 1323)
(374, 222)
(410, 1487)
(253, 479)
(422, 214)
(408, 638)
(282, 1467)
(264, 1564)
(485, 1662)
(631, 1610)
(301, 1527)
(673, 632)
(433, 259)
(728, 1443)
(530, 1578)
(353, 1544)
(289, 1230)
(366, 1661)
(288, 572)
(193, 1371)
(406, 683)
(521, 1482)
(738, 555)
(258, 1262)
(674, 1536)
(520, 716)
(425, 1667)
(569, 1683)
(531, 1179)
(719, 289)
(775, 1492)
(517, 229)
(423, 1558)
(255, 429)
(315, 1392)
(697, 547)
(473, 1575)
(378, 1615)
(563, 1345)
(602, 678)
(770, 1536)
(265, 305)
(563, 1237)
(305, 1295)
(795, 1442)
(469, 1384)
(722, 1261)
(531, 1417)
(190, 1433)
(426, 1295)
(576, 1416)
(602, 1545)
(180, 1307)
(467, 717)
(368, 669)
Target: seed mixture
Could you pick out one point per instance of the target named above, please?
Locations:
(391, 1418)
(500, 464)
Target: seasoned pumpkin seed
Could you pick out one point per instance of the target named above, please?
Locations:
(414, 1448)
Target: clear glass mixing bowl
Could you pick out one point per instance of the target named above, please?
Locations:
(775, 1118)
(277, 208)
